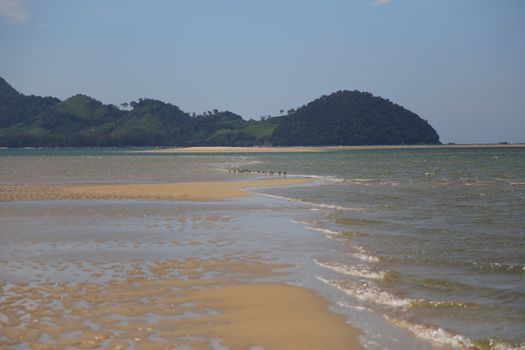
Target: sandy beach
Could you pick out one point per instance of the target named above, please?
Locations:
(312, 149)
(235, 150)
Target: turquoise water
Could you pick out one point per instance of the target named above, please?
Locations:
(430, 242)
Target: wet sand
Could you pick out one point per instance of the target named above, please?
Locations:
(317, 149)
(196, 191)
(231, 301)
(148, 308)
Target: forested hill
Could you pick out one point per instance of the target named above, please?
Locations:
(342, 118)
(353, 118)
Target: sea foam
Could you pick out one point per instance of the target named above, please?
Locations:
(365, 292)
(351, 271)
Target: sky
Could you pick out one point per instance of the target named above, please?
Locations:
(457, 63)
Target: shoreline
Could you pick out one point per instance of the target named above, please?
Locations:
(154, 304)
(188, 191)
(317, 149)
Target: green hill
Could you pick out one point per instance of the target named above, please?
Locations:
(18, 109)
(343, 118)
(353, 118)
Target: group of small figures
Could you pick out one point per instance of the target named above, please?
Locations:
(249, 171)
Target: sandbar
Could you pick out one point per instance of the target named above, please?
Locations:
(234, 150)
(194, 191)
(316, 149)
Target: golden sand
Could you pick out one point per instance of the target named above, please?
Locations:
(197, 191)
(156, 311)
(317, 149)
(234, 150)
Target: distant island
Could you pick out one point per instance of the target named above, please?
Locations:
(342, 118)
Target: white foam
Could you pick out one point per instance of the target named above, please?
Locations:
(323, 230)
(362, 180)
(364, 255)
(318, 205)
(310, 226)
(368, 293)
(351, 271)
(436, 336)
(354, 307)
(441, 337)
(503, 346)
(321, 177)
(299, 222)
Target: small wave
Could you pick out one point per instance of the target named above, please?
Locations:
(365, 255)
(327, 233)
(499, 267)
(327, 178)
(436, 336)
(502, 345)
(444, 284)
(305, 223)
(389, 183)
(324, 230)
(318, 205)
(353, 222)
(311, 227)
(362, 180)
(363, 291)
(354, 307)
(442, 303)
(351, 271)
(441, 337)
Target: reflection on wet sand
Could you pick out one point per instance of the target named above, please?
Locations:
(201, 304)
(145, 274)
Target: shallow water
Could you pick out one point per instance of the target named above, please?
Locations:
(419, 248)
(438, 237)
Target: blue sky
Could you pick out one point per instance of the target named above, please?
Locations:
(457, 63)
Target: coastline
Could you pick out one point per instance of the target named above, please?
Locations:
(317, 149)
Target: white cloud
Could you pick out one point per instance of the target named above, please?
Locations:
(381, 2)
(15, 11)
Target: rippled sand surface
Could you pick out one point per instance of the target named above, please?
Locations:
(169, 303)
(197, 191)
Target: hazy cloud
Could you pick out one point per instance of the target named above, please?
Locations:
(381, 2)
(15, 11)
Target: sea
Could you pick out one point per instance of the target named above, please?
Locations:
(417, 248)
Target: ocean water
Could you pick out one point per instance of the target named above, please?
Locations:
(434, 239)
(420, 248)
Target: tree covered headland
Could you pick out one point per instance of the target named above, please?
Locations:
(342, 118)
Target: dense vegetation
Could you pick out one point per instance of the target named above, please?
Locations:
(343, 118)
(353, 118)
